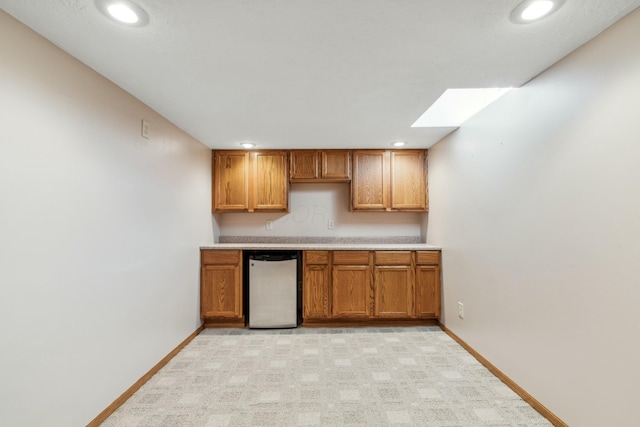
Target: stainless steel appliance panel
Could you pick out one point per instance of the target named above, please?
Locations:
(273, 298)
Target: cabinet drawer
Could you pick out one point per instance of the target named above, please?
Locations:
(393, 257)
(316, 257)
(428, 257)
(215, 256)
(351, 257)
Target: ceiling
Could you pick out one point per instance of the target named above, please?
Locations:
(313, 74)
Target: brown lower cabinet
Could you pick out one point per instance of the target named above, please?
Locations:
(315, 292)
(394, 284)
(338, 287)
(351, 285)
(428, 284)
(221, 288)
(370, 286)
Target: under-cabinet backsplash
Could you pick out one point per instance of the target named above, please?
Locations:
(313, 208)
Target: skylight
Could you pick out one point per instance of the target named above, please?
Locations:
(455, 106)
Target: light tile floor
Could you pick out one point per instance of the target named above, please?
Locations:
(413, 376)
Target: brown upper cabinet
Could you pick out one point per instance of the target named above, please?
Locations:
(320, 166)
(248, 181)
(389, 180)
(230, 181)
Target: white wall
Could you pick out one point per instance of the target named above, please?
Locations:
(536, 201)
(99, 235)
(310, 208)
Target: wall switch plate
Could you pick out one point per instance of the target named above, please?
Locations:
(331, 224)
(460, 310)
(268, 225)
(145, 129)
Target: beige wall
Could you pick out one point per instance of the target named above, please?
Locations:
(536, 201)
(99, 235)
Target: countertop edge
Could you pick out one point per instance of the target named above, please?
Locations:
(324, 246)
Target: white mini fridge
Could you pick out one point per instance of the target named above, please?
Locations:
(273, 289)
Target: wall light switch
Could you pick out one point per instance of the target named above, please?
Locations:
(268, 225)
(331, 224)
(460, 310)
(145, 129)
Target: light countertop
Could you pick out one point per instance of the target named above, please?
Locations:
(326, 246)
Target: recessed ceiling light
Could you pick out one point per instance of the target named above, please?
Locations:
(534, 10)
(123, 12)
(247, 145)
(455, 106)
(399, 144)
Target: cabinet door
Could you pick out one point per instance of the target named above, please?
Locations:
(336, 165)
(351, 289)
(270, 181)
(221, 292)
(370, 183)
(230, 181)
(315, 302)
(393, 291)
(408, 180)
(428, 291)
(303, 165)
(315, 287)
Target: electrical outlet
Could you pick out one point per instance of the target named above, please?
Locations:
(268, 225)
(331, 224)
(460, 310)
